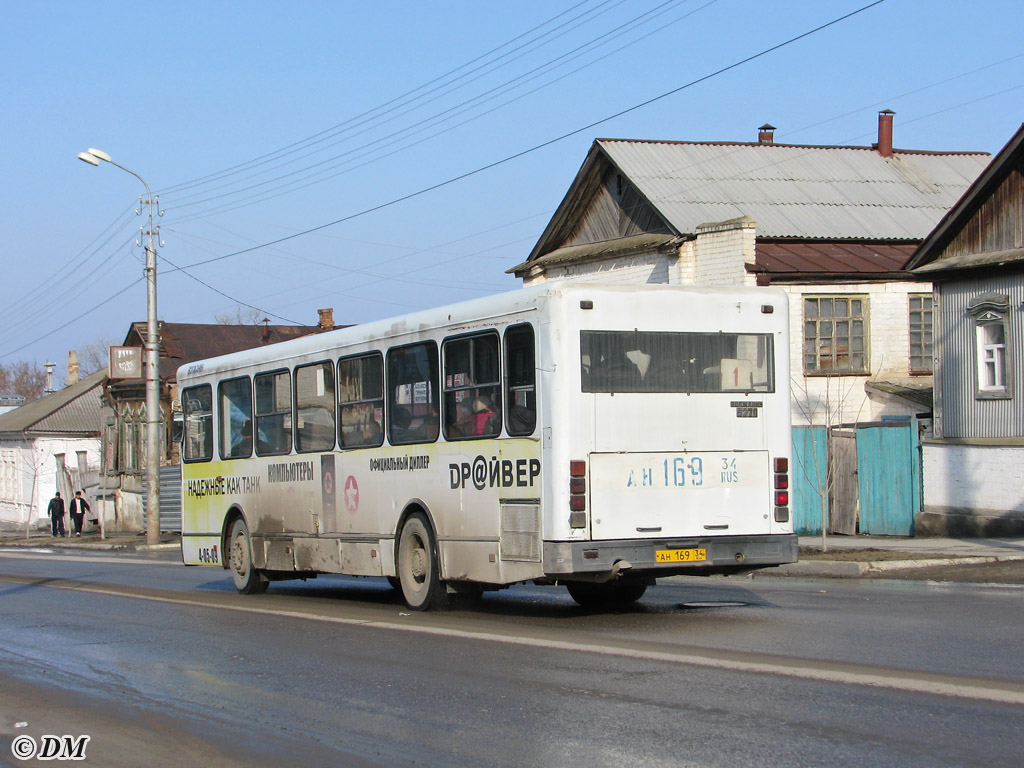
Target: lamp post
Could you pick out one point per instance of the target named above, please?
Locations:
(93, 157)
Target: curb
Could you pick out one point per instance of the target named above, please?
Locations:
(853, 568)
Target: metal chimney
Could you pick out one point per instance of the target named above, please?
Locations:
(49, 377)
(884, 144)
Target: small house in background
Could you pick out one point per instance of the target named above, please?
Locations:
(975, 259)
(832, 226)
(50, 444)
(10, 402)
(123, 416)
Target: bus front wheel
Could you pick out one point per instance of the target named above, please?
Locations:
(418, 568)
(616, 594)
(248, 579)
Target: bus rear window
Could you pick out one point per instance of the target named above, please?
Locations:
(653, 361)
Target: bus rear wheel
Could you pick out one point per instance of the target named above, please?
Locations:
(419, 571)
(613, 595)
(248, 579)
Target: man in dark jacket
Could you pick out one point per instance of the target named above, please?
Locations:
(78, 508)
(56, 513)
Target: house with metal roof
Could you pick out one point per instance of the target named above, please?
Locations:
(123, 415)
(975, 259)
(50, 444)
(832, 225)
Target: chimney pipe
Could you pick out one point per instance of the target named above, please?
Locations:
(326, 319)
(885, 132)
(766, 134)
(49, 377)
(72, 368)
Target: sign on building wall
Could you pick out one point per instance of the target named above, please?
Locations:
(126, 362)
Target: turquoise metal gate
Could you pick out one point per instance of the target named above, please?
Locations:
(889, 478)
(888, 488)
(810, 460)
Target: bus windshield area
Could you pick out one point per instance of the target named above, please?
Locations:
(656, 361)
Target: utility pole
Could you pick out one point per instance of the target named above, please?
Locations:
(152, 373)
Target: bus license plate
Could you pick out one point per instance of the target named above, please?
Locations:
(680, 555)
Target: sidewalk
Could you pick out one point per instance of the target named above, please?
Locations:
(88, 541)
(852, 556)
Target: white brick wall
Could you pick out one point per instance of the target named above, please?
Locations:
(723, 250)
(981, 478)
(643, 269)
(889, 355)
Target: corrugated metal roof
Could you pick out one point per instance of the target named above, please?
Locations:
(808, 259)
(72, 410)
(798, 191)
(182, 343)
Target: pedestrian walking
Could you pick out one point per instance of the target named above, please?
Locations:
(78, 508)
(56, 513)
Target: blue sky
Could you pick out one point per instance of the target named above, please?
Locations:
(256, 121)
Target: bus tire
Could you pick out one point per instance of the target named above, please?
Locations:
(419, 571)
(617, 594)
(248, 579)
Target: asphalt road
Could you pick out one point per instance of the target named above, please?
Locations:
(166, 665)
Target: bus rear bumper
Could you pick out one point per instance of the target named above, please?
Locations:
(605, 560)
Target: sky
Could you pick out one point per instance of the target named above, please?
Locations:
(380, 158)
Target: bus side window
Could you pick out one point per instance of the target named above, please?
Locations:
(314, 407)
(472, 387)
(235, 416)
(520, 381)
(273, 413)
(197, 410)
(361, 401)
(413, 393)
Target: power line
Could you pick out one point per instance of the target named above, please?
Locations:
(366, 149)
(544, 144)
(365, 116)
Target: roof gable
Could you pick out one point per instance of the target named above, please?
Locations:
(791, 191)
(986, 226)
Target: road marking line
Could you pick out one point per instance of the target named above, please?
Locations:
(1004, 692)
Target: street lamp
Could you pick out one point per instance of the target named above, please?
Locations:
(93, 157)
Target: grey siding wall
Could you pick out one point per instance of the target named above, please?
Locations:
(963, 415)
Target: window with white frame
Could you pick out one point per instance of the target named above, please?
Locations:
(989, 312)
(835, 334)
(920, 328)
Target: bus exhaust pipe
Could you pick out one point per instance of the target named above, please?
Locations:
(618, 567)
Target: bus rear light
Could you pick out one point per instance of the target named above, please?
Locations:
(782, 498)
(781, 515)
(781, 464)
(577, 502)
(782, 481)
(577, 469)
(577, 485)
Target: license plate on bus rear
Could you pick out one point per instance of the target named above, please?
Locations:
(680, 555)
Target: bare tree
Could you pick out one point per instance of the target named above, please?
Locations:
(827, 409)
(26, 379)
(94, 356)
(241, 316)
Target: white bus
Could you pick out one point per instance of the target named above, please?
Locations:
(588, 435)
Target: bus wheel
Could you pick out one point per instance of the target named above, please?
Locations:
(618, 594)
(248, 580)
(418, 569)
